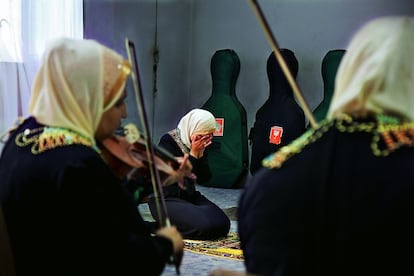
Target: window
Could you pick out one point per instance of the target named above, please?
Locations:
(25, 28)
(44, 20)
(10, 31)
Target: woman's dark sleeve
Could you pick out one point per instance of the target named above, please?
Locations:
(102, 218)
(201, 168)
(167, 142)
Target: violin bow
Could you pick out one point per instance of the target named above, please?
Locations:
(275, 47)
(155, 176)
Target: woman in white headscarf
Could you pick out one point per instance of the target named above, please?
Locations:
(65, 209)
(195, 216)
(338, 199)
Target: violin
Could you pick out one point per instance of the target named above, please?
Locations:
(126, 154)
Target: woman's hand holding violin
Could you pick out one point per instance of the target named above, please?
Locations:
(185, 170)
(172, 234)
(128, 158)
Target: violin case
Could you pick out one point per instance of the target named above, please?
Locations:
(280, 119)
(228, 155)
(330, 64)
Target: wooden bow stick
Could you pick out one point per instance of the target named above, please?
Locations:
(155, 177)
(283, 65)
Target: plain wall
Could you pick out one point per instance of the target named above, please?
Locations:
(111, 21)
(309, 27)
(190, 31)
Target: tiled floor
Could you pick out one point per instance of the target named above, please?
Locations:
(198, 264)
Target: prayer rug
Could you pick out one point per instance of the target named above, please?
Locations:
(228, 247)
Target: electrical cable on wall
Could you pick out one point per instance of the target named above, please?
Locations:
(155, 58)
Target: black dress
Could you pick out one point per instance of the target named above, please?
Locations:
(195, 216)
(335, 208)
(67, 214)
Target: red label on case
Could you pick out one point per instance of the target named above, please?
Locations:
(219, 127)
(275, 136)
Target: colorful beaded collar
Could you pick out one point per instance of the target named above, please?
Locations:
(47, 138)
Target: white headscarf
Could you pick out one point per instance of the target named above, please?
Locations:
(77, 81)
(197, 121)
(376, 75)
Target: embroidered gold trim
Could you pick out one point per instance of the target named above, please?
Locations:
(175, 134)
(46, 138)
(388, 135)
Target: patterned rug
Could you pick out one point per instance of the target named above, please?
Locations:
(228, 247)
